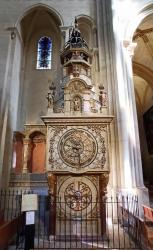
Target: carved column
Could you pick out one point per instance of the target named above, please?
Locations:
(7, 58)
(26, 154)
(65, 34)
(52, 180)
(103, 181)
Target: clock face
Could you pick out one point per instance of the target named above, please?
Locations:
(77, 148)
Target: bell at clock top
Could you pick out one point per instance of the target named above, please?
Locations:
(75, 57)
(79, 94)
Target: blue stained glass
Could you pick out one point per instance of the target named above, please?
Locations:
(44, 53)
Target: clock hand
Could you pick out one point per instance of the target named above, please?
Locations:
(79, 163)
(78, 156)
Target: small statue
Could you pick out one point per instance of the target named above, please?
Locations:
(77, 104)
(76, 71)
(50, 100)
(102, 96)
(50, 95)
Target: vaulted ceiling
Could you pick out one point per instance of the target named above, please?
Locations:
(143, 64)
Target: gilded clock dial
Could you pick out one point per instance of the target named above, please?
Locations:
(77, 148)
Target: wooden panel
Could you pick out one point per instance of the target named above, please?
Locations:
(8, 231)
(1, 218)
(148, 225)
(148, 213)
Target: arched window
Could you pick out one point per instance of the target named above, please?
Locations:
(44, 53)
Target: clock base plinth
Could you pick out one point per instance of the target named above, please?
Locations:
(77, 201)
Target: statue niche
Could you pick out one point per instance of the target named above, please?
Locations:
(77, 104)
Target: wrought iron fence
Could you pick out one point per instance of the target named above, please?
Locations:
(10, 204)
(80, 223)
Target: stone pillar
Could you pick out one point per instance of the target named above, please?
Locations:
(26, 154)
(7, 44)
(3, 140)
(132, 175)
(128, 144)
(107, 79)
(102, 65)
(52, 181)
(133, 135)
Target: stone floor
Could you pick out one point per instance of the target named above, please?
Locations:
(117, 239)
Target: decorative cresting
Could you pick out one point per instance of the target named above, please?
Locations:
(78, 197)
(76, 40)
(77, 148)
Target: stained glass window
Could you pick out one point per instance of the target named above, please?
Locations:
(44, 53)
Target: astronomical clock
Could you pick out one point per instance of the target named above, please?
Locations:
(78, 131)
(77, 148)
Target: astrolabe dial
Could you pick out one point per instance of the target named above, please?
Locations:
(77, 148)
(78, 195)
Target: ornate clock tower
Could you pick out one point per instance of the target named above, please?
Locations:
(78, 131)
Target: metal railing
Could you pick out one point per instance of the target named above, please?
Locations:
(86, 222)
(10, 204)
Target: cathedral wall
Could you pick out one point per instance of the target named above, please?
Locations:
(4, 61)
(36, 81)
(13, 11)
(15, 83)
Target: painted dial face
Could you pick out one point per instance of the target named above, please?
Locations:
(77, 148)
(78, 195)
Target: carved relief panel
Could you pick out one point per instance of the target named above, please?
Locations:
(77, 149)
(78, 195)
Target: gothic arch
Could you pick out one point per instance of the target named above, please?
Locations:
(143, 72)
(86, 19)
(47, 7)
(33, 132)
(34, 14)
(80, 82)
(86, 25)
(143, 75)
(140, 15)
(36, 162)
